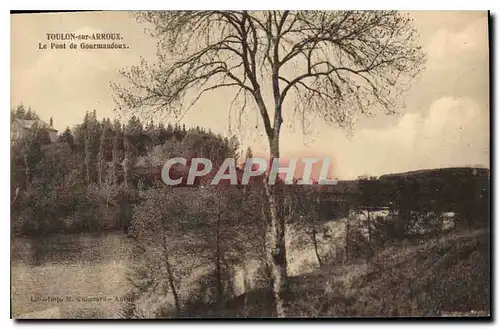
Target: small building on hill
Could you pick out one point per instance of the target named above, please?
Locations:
(20, 127)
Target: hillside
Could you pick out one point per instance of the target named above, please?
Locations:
(443, 277)
(455, 172)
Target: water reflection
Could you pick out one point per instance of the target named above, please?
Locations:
(69, 265)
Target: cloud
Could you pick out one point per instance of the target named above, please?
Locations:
(448, 44)
(453, 132)
(446, 121)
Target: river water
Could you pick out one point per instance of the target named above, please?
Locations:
(85, 275)
(82, 275)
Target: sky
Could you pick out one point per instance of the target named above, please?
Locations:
(445, 122)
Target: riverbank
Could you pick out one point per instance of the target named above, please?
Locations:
(438, 277)
(85, 276)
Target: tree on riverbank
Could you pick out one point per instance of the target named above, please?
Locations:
(337, 64)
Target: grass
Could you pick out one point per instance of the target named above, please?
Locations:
(438, 277)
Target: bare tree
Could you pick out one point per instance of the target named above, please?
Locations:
(161, 242)
(307, 216)
(337, 64)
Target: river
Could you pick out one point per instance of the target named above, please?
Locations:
(83, 275)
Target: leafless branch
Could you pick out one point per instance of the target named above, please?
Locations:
(337, 63)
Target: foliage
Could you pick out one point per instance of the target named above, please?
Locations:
(435, 278)
(337, 64)
(77, 183)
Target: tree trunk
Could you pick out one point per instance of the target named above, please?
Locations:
(315, 242)
(171, 280)
(115, 161)
(125, 171)
(26, 168)
(218, 267)
(87, 168)
(101, 170)
(246, 288)
(16, 195)
(229, 277)
(347, 240)
(266, 245)
(107, 200)
(369, 220)
(277, 235)
(314, 232)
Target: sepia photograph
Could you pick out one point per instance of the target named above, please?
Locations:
(239, 164)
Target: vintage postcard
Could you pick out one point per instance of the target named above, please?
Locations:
(250, 164)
